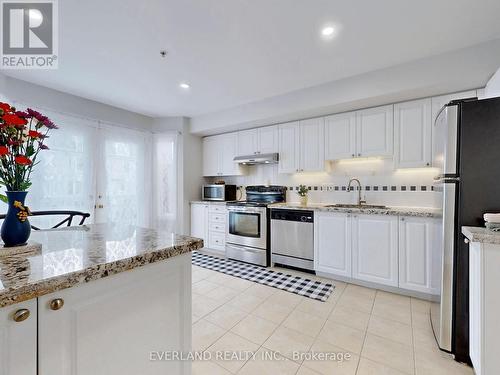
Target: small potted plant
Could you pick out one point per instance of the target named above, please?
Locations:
(302, 192)
(22, 137)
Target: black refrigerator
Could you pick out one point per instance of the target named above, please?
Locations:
(466, 149)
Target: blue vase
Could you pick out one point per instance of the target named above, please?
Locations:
(16, 228)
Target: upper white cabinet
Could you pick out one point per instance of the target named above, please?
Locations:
(301, 146)
(258, 141)
(340, 136)
(375, 131)
(312, 145)
(363, 133)
(332, 243)
(413, 134)
(248, 142)
(375, 249)
(289, 147)
(18, 339)
(417, 253)
(218, 155)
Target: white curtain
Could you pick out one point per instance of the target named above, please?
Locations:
(165, 181)
(94, 167)
(124, 177)
(64, 179)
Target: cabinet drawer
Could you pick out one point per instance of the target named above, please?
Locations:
(216, 218)
(217, 208)
(217, 241)
(218, 227)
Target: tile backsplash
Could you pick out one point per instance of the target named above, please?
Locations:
(380, 183)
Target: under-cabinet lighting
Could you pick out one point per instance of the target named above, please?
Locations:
(360, 160)
(423, 170)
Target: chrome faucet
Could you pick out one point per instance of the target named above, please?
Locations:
(360, 202)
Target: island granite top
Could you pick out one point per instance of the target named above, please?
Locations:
(391, 211)
(482, 235)
(57, 259)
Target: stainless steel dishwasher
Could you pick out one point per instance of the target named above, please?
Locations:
(292, 242)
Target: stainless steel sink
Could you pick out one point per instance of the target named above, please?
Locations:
(356, 206)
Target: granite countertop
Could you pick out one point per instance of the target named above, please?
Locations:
(209, 202)
(481, 234)
(75, 255)
(396, 211)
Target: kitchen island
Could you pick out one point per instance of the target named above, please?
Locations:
(96, 299)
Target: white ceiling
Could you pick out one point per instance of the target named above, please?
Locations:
(240, 51)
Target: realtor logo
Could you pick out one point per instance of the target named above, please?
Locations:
(29, 34)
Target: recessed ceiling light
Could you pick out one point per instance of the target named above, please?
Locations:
(184, 85)
(327, 31)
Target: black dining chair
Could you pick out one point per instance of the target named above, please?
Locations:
(68, 220)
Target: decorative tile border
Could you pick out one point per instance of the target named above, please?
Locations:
(374, 188)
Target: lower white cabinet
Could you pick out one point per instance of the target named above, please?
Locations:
(208, 221)
(395, 251)
(110, 326)
(18, 339)
(417, 254)
(332, 243)
(375, 249)
(199, 221)
(484, 307)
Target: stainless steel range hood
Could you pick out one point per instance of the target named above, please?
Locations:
(257, 159)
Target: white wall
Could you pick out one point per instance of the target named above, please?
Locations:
(189, 166)
(492, 89)
(14, 90)
(455, 71)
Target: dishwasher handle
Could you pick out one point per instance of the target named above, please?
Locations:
(302, 216)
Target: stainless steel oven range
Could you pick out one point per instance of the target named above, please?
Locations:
(247, 231)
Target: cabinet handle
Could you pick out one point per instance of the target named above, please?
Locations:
(56, 304)
(428, 164)
(353, 155)
(21, 315)
(402, 219)
(359, 154)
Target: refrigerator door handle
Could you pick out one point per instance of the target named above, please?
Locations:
(441, 314)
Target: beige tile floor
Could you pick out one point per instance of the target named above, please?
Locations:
(384, 333)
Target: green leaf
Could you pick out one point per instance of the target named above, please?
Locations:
(30, 150)
(3, 198)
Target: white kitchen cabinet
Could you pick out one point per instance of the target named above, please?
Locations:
(375, 249)
(312, 145)
(301, 146)
(18, 340)
(340, 136)
(217, 219)
(413, 134)
(416, 254)
(199, 221)
(211, 156)
(375, 131)
(484, 307)
(332, 243)
(258, 141)
(268, 140)
(112, 325)
(218, 155)
(289, 138)
(248, 142)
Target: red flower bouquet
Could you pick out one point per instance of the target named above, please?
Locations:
(22, 136)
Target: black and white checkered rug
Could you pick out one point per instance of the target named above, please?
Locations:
(293, 284)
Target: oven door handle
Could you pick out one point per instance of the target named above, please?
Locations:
(246, 210)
